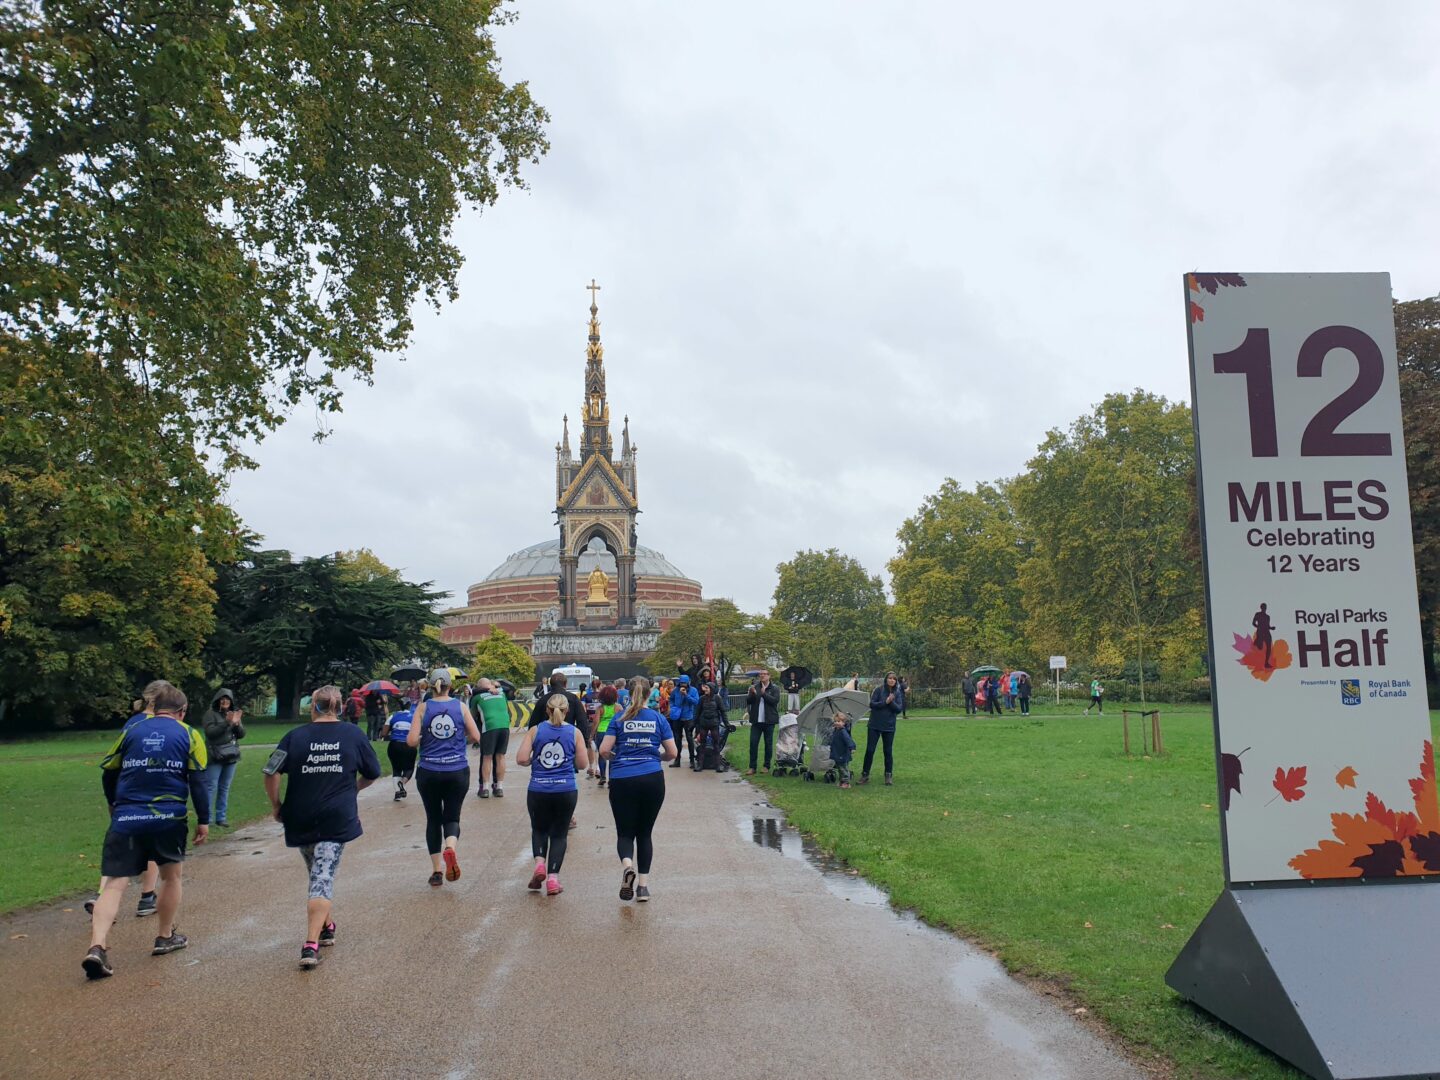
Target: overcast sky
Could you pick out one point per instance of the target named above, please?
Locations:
(848, 250)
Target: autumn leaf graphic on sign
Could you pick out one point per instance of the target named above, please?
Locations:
(1253, 657)
(1210, 283)
(1346, 777)
(1230, 770)
(1381, 842)
(1290, 783)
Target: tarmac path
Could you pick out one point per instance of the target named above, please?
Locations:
(749, 962)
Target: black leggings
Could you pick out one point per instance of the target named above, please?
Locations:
(443, 794)
(871, 738)
(402, 759)
(550, 813)
(635, 801)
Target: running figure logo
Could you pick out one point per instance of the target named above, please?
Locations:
(1261, 651)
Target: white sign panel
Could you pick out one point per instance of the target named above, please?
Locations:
(1326, 766)
(1057, 663)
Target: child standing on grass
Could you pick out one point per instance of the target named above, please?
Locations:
(842, 748)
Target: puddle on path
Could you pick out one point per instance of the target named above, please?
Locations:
(976, 978)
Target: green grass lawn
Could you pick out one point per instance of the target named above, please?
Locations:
(1040, 840)
(54, 814)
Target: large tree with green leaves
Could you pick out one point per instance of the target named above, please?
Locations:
(499, 656)
(956, 578)
(1417, 342)
(1106, 507)
(304, 622)
(108, 529)
(234, 202)
(834, 609)
(739, 638)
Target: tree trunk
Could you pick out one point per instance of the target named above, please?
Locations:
(287, 694)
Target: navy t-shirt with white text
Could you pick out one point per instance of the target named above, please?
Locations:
(321, 761)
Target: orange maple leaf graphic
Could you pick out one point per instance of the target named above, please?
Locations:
(1254, 658)
(1381, 842)
(1290, 783)
(1346, 776)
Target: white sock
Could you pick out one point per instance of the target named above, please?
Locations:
(642, 879)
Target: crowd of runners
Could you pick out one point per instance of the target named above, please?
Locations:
(159, 765)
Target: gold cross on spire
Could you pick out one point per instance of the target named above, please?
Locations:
(593, 290)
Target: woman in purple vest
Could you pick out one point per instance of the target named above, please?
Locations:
(554, 750)
(440, 728)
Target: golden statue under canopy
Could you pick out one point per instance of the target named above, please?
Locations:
(598, 584)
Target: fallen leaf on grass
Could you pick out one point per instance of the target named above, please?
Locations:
(1167, 926)
(1206, 806)
(1089, 926)
(1346, 776)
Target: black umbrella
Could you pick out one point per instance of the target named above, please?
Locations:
(507, 686)
(403, 674)
(802, 676)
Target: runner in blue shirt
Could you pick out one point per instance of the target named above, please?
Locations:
(554, 750)
(155, 764)
(440, 729)
(636, 743)
(401, 754)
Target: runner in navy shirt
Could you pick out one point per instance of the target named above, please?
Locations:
(440, 729)
(320, 815)
(401, 754)
(554, 750)
(636, 744)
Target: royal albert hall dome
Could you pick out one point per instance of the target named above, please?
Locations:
(516, 593)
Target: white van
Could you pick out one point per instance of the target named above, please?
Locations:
(575, 673)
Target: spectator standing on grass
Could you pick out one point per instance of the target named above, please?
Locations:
(967, 691)
(886, 703)
(792, 693)
(223, 732)
(762, 704)
(374, 715)
(1022, 691)
(992, 696)
(904, 697)
(1097, 696)
(322, 760)
(155, 764)
(842, 748)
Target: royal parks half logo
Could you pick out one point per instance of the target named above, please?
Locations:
(1350, 691)
(1261, 651)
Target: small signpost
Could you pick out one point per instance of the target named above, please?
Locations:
(1325, 767)
(1057, 665)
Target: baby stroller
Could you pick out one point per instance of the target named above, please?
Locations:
(789, 747)
(710, 747)
(817, 722)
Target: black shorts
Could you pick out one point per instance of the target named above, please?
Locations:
(494, 742)
(125, 854)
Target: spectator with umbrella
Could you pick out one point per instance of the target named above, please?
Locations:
(794, 679)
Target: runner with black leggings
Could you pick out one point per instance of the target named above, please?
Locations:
(636, 744)
(554, 750)
(440, 729)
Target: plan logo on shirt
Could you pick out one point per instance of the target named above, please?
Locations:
(640, 727)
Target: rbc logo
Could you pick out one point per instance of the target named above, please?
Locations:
(1350, 691)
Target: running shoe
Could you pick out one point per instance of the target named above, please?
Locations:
(498, 791)
(327, 934)
(90, 905)
(553, 886)
(309, 957)
(97, 963)
(437, 879)
(404, 792)
(537, 879)
(484, 793)
(399, 794)
(642, 894)
(222, 824)
(452, 865)
(146, 906)
(675, 764)
(174, 943)
(601, 782)
(627, 884)
(889, 780)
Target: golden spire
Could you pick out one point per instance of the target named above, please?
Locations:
(595, 410)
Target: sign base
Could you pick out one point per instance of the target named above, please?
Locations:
(1338, 980)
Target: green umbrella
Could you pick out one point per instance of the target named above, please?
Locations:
(988, 669)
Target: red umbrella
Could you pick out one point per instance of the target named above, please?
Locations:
(379, 686)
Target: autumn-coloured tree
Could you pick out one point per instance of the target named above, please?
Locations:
(1105, 506)
(1417, 343)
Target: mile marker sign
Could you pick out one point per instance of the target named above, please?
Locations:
(1325, 766)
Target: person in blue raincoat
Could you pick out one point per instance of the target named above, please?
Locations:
(683, 703)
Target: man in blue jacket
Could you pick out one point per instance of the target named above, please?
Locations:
(682, 717)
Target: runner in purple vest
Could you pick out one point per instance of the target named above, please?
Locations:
(554, 750)
(440, 729)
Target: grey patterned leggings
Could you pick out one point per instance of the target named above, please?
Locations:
(322, 860)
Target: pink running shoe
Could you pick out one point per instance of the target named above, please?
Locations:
(537, 879)
(553, 886)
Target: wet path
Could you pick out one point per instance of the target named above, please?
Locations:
(746, 944)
